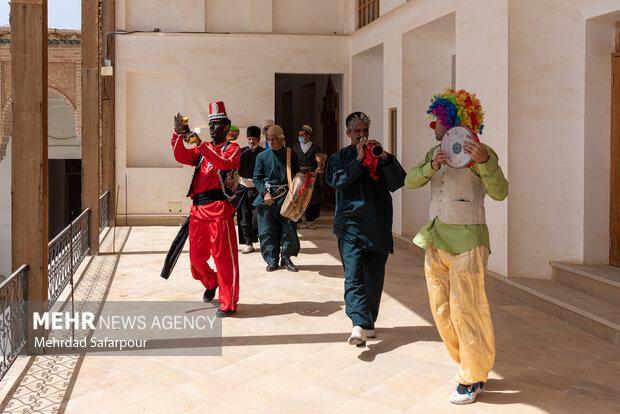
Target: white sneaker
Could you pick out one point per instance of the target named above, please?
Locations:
(248, 249)
(370, 333)
(466, 394)
(358, 336)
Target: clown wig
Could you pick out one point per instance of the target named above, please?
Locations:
(457, 108)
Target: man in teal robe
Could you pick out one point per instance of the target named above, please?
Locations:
(363, 222)
(277, 234)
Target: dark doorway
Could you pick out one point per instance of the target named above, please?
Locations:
(286, 120)
(65, 193)
(313, 100)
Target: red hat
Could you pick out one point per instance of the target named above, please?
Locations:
(217, 110)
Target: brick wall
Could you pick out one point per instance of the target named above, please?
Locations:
(64, 76)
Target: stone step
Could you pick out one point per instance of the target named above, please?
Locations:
(600, 281)
(580, 309)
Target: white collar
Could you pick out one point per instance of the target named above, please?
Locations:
(305, 146)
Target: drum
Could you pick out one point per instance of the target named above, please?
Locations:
(453, 145)
(298, 196)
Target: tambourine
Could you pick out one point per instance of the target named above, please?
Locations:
(453, 145)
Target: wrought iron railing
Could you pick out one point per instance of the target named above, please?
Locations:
(65, 254)
(104, 205)
(13, 323)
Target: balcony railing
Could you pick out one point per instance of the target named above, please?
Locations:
(65, 254)
(13, 323)
(104, 205)
(367, 11)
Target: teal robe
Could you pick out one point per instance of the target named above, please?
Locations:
(277, 234)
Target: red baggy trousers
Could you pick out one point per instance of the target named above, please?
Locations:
(215, 236)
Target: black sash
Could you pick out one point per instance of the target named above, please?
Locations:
(209, 196)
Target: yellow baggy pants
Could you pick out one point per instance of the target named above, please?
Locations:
(461, 310)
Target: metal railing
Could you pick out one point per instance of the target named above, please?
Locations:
(104, 206)
(13, 323)
(65, 254)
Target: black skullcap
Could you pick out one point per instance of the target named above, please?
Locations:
(253, 131)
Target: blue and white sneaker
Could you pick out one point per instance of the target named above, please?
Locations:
(466, 394)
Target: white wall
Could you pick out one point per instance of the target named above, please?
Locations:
(237, 16)
(154, 81)
(5, 213)
(547, 102)
(167, 15)
(367, 89)
(592, 8)
(227, 15)
(482, 67)
(427, 69)
(386, 6)
(151, 99)
(311, 17)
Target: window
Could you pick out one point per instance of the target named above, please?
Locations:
(393, 131)
(367, 11)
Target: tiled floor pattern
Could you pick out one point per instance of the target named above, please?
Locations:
(285, 349)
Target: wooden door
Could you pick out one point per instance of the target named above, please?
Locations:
(614, 211)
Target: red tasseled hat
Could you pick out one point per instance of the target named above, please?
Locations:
(217, 110)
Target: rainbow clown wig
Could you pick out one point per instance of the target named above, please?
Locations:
(457, 108)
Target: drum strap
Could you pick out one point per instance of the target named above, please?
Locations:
(289, 173)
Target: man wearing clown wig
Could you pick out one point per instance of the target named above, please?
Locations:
(456, 241)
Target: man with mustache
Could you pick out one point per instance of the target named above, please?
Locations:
(363, 222)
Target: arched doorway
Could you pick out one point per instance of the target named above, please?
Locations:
(65, 166)
(65, 170)
(5, 191)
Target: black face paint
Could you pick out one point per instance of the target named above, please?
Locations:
(218, 130)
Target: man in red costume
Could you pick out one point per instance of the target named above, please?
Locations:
(211, 226)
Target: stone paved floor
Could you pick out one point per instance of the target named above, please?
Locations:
(285, 349)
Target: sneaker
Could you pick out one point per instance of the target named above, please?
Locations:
(466, 394)
(247, 249)
(370, 333)
(272, 267)
(358, 336)
(208, 295)
(311, 225)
